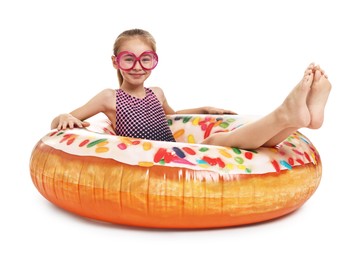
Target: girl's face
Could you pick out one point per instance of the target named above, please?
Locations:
(137, 75)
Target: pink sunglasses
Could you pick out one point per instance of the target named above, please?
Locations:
(127, 60)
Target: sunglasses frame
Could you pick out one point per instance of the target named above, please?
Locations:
(137, 59)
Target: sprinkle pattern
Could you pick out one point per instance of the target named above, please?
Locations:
(188, 131)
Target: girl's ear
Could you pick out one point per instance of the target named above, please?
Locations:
(114, 62)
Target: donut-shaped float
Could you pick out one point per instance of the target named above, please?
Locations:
(183, 184)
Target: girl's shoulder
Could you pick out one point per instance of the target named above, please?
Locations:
(105, 97)
(107, 93)
(157, 90)
(159, 93)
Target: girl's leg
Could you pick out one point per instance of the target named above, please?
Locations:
(274, 127)
(277, 139)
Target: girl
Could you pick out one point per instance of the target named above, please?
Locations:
(137, 111)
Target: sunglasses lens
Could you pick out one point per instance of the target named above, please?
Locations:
(148, 61)
(126, 61)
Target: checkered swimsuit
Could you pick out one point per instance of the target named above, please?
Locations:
(141, 118)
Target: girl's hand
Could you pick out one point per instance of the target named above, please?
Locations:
(67, 120)
(219, 111)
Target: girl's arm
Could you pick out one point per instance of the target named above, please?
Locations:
(99, 103)
(200, 110)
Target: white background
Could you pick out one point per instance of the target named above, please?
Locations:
(239, 55)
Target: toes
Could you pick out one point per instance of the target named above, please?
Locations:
(316, 68)
(307, 72)
(321, 71)
(309, 80)
(309, 69)
(317, 75)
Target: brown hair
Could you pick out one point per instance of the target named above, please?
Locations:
(132, 33)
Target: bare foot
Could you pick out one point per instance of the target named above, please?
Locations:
(317, 99)
(294, 108)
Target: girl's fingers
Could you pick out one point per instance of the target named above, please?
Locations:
(71, 123)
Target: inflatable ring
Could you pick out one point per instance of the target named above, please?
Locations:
(183, 184)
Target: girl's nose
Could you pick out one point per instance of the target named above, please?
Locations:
(137, 66)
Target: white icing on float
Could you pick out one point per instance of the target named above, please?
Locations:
(296, 150)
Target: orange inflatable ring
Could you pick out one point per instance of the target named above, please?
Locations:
(129, 181)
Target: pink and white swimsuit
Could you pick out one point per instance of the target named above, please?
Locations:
(141, 118)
